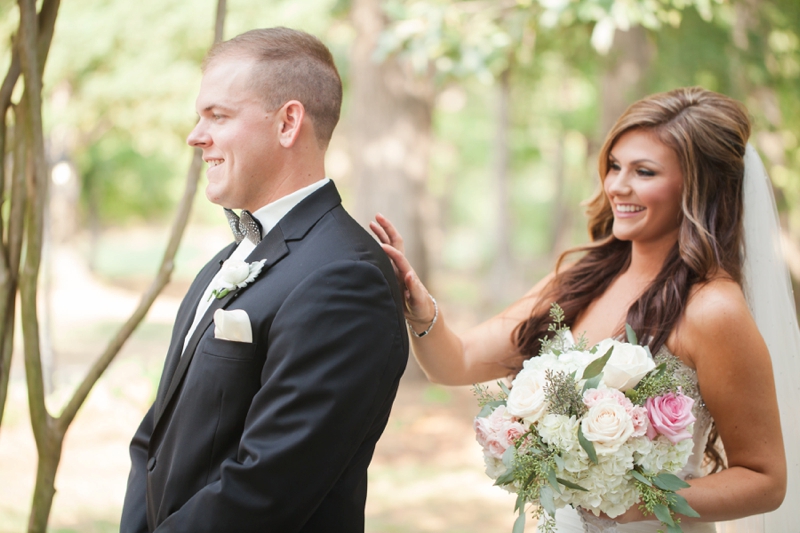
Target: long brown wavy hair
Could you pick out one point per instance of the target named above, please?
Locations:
(708, 132)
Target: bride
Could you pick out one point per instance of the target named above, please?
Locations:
(673, 253)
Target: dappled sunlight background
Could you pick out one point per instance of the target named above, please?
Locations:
(474, 126)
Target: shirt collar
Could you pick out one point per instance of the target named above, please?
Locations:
(273, 212)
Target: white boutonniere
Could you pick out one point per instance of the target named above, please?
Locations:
(235, 274)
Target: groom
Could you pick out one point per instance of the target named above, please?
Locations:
(284, 362)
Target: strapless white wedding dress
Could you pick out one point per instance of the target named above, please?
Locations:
(569, 520)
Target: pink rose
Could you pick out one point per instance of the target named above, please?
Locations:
(639, 418)
(593, 396)
(670, 415)
(497, 432)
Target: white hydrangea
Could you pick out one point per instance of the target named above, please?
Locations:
(664, 456)
(560, 431)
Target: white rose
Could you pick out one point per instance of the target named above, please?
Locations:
(627, 365)
(526, 399)
(608, 425)
(233, 272)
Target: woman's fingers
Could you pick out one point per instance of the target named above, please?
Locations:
(399, 260)
(391, 234)
(379, 232)
(419, 306)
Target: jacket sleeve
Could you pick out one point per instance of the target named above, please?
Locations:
(334, 356)
(134, 509)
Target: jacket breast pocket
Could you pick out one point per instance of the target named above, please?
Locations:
(225, 349)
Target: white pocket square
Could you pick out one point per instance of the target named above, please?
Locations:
(232, 325)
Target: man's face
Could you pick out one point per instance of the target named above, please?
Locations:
(239, 137)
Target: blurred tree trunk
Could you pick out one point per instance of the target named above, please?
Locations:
(389, 131)
(560, 217)
(390, 123)
(623, 80)
(25, 221)
(501, 274)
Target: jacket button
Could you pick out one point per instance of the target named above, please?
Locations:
(151, 464)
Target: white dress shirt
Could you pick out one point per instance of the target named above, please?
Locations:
(268, 216)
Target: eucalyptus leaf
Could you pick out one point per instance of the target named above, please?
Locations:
(635, 474)
(662, 513)
(520, 504)
(681, 506)
(547, 499)
(485, 411)
(571, 485)
(659, 370)
(674, 528)
(669, 482)
(597, 366)
(592, 383)
(505, 479)
(552, 479)
(587, 445)
(559, 462)
(632, 339)
(519, 524)
(504, 388)
(508, 456)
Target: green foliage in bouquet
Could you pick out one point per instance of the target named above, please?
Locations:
(660, 499)
(664, 378)
(563, 395)
(560, 342)
(531, 464)
(488, 400)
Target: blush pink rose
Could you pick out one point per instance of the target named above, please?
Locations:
(593, 396)
(639, 418)
(496, 432)
(670, 415)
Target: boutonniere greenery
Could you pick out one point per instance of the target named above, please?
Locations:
(235, 274)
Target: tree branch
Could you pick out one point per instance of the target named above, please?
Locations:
(160, 281)
(9, 265)
(46, 27)
(11, 242)
(37, 197)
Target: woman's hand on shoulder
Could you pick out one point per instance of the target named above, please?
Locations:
(419, 308)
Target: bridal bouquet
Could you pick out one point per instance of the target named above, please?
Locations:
(602, 429)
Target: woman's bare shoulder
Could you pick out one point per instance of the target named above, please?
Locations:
(716, 313)
(716, 301)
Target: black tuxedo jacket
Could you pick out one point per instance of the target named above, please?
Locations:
(276, 436)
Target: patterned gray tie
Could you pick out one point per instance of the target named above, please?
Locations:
(244, 225)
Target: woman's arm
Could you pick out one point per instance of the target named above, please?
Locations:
(719, 338)
(482, 353)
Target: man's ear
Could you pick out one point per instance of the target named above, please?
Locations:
(291, 119)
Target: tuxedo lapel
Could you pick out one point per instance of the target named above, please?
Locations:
(184, 322)
(272, 249)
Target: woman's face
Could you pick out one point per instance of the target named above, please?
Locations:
(644, 185)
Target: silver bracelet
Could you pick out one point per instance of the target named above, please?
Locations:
(435, 316)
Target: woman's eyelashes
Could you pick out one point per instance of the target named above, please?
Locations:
(641, 171)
